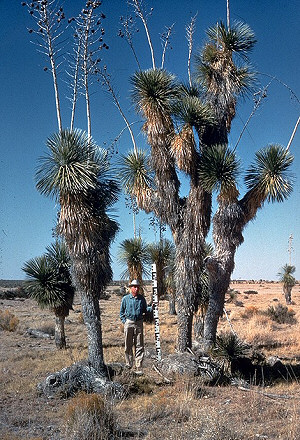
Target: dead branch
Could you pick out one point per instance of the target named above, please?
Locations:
(190, 29)
(166, 38)
(293, 134)
(75, 80)
(127, 23)
(107, 82)
(270, 395)
(38, 333)
(48, 22)
(140, 14)
(262, 94)
(165, 378)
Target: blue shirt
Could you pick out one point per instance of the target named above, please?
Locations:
(132, 307)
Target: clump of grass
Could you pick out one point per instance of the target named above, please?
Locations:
(8, 321)
(88, 416)
(136, 385)
(281, 314)
(259, 332)
(166, 405)
(249, 311)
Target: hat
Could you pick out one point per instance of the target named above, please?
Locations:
(134, 283)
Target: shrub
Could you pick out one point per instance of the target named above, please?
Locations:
(281, 314)
(232, 295)
(89, 417)
(251, 292)
(8, 321)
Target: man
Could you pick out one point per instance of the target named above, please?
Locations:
(133, 307)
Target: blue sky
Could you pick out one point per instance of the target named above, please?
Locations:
(28, 117)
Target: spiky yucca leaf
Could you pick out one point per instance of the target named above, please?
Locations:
(286, 275)
(185, 90)
(133, 252)
(190, 110)
(229, 346)
(72, 165)
(219, 169)
(269, 176)
(135, 172)
(153, 90)
(58, 254)
(210, 54)
(238, 38)
(45, 285)
(163, 252)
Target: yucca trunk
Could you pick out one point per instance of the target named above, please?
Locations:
(59, 333)
(190, 242)
(92, 320)
(287, 290)
(220, 272)
(228, 224)
(184, 327)
(186, 287)
(172, 308)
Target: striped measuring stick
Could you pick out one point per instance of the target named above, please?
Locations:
(155, 313)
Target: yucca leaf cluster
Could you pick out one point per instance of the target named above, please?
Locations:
(49, 280)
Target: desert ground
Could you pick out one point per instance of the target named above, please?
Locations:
(182, 408)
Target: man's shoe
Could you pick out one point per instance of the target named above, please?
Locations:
(139, 372)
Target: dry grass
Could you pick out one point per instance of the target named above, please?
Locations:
(89, 417)
(184, 409)
(8, 321)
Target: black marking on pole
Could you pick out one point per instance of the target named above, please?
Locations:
(155, 313)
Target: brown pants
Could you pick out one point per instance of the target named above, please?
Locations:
(134, 338)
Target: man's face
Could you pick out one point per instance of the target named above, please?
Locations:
(134, 290)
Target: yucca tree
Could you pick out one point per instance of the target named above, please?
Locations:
(286, 277)
(49, 284)
(181, 123)
(162, 254)
(134, 254)
(156, 94)
(268, 179)
(76, 173)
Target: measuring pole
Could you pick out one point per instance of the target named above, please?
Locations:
(155, 313)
